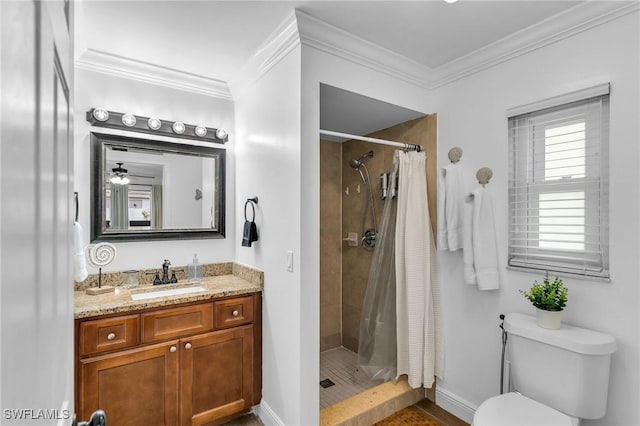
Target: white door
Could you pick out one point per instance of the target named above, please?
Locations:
(36, 214)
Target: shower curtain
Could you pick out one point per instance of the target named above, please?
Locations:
(419, 327)
(119, 206)
(401, 327)
(376, 358)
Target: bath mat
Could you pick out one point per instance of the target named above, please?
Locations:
(410, 416)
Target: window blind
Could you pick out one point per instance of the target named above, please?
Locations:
(559, 188)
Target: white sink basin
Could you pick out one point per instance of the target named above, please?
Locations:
(164, 293)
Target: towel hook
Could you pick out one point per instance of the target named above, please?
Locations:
(455, 154)
(484, 175)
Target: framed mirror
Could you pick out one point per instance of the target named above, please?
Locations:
(144, 189)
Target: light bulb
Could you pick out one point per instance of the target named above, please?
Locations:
(201, 131)
(100, 114)
(115, 180)
(129, 120)
(154, 123)
(221, 133)
(124, 181)
(178, 127)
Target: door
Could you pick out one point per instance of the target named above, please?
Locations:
(134, 387)
(216, 375)
(36, 286)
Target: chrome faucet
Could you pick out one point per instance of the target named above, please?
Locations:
(165, 272)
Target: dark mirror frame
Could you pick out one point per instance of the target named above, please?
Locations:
(99, 142)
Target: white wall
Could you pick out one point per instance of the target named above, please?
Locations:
(126, 95)
(267, 115)
(471, 114)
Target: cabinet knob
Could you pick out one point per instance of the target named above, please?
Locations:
(235, 313)
(111, 336)
(187, 346)
(173, 349)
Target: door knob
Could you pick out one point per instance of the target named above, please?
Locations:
(173, 349)
(187, 346)
(111, 336)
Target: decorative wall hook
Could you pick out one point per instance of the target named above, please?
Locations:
(455, 154)
(484, 175)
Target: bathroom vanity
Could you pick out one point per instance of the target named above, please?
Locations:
(191, 359)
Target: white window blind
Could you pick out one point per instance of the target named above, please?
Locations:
(559, 188)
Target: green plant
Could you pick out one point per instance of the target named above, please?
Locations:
(549, 296)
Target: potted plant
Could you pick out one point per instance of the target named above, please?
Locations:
(550, 298)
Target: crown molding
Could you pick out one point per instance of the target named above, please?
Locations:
(568, 23)
(119, 66)
(335, 41)
(276, 47)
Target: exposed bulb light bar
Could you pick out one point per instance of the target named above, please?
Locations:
(100, 117)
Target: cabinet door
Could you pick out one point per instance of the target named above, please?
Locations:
(135, 387)
(216, 375)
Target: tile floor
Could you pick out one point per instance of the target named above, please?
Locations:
(338, 365)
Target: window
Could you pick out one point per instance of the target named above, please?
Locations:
(558, 188)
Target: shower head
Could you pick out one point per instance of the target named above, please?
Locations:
(357, 163)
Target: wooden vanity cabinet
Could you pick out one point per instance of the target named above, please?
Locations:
(192, 379)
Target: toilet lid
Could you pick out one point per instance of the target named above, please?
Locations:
(513, 408)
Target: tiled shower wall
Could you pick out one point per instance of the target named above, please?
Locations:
(344, 270)
(330, 245)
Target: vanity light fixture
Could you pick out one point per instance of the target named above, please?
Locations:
(119, 175)
(154, 123)
(129, 120)
(178, 127)
(221, 133)
(200, 130)
(100, 117)
(100, 114)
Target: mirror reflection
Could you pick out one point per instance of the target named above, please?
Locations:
(153, 189)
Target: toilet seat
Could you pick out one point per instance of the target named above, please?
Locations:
(512, 409)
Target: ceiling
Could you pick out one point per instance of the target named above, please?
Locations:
(214, 39)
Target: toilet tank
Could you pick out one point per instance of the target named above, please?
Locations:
(566, 369)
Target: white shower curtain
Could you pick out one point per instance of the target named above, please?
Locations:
(419, 323)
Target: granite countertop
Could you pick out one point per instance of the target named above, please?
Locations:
(86, 306)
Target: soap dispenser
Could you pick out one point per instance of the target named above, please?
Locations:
(195, 270)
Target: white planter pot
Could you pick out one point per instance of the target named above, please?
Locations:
(548, 319)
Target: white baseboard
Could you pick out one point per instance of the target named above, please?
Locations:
(457, 406)
(266, 414)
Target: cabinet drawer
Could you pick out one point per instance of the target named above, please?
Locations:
(109, 334)
(176, 322)
(233, 312)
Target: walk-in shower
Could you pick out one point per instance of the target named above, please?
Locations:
(369, 235)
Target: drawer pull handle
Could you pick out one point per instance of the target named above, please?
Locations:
(173, 349)
(111, 336)
(187, 346)
(235, 313)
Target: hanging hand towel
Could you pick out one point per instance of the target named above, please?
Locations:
(79, 260)
(450, 207)
(481, 248)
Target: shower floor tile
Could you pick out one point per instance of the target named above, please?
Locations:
(338, 365)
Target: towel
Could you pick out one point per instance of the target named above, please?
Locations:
(79, 260)
(451, 207)
(480, 254)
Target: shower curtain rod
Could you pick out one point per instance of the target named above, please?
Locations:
(406, 146)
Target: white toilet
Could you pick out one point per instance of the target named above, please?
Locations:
(561, 376)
